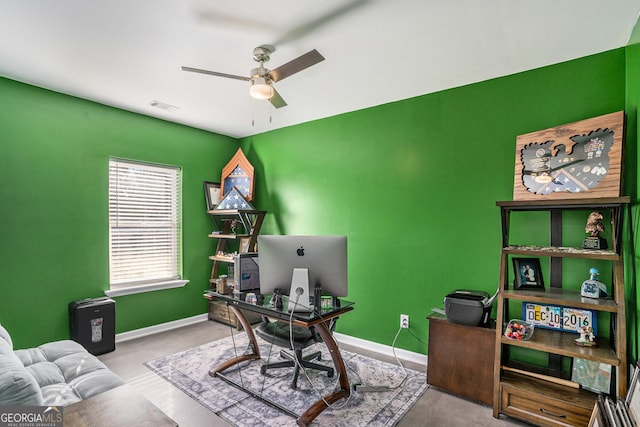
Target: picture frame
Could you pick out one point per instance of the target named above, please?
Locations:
(633, 395)
(243, 247)
(623, 413)
(592, 375)
(598, 414)
(211, 194)
(528, 274)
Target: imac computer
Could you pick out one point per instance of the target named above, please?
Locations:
(301, 265)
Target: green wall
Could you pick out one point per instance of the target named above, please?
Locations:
(413, 184)
(632, 179)
(53, 211)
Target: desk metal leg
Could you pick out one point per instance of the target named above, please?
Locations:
(253, 343)
(343, 392)
(314, 410)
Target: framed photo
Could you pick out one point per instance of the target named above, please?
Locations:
(528, 273)
(244, 245)
(598, 414)
(633, 395)
(592, 375)
(211, 194)
(623, 413)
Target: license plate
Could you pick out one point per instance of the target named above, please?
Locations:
(545, 316)
(559, 318)
(574, 318)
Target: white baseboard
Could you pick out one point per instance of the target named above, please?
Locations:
(383, 349)
(341, 338)
(162, 327)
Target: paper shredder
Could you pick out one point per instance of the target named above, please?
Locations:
(92, 323)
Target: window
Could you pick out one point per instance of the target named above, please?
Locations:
(144, 227)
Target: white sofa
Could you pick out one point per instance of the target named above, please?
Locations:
(57, 373)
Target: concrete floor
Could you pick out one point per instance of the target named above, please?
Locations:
(435, 408)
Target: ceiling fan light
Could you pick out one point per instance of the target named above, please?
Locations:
(261, 88)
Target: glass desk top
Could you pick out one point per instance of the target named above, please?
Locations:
(338, 307)
(320, 320)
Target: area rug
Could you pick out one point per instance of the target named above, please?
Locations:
(189, 371)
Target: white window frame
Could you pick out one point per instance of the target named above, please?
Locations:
(145, 227)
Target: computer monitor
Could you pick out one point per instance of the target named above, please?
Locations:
(323, 259)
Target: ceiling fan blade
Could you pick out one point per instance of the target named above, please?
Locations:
(276, 100)
(230, 21)
(308, 27)
(215, 73)
(300, 63)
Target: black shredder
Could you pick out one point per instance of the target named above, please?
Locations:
(92, 323)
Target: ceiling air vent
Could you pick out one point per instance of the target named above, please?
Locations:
(164, 106)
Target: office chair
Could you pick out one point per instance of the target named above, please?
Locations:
(277, 333)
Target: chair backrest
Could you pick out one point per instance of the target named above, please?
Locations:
(280, 332)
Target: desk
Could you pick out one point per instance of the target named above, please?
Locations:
(320, 322)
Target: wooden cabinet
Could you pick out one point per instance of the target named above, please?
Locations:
(544, 395)
(233, 228)
(544, 403)
(460, 359)
(219, 311)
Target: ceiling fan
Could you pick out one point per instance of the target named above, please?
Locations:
(262, 79)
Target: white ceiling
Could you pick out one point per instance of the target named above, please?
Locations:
(128, 54)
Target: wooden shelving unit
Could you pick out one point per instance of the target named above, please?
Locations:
(231, 226)
(553, 400)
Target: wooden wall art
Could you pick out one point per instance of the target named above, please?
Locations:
(238, 173)
(573, 161)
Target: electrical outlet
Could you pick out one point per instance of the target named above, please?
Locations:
(404, 321)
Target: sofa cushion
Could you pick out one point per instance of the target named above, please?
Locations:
(17, 385)
(46, 373)
(57, 373)
(96, 382)
(76, 365)
(4, 335)
(66, 372)
(50, 351)
(60, 394)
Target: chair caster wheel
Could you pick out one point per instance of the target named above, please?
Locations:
(330, 374)
(263, 369)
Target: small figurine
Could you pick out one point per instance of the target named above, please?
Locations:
(594, 228)
(593, 288)
(594, 224)
(234, 225)
(587, 339)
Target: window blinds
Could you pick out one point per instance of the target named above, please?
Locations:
(144, 223)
